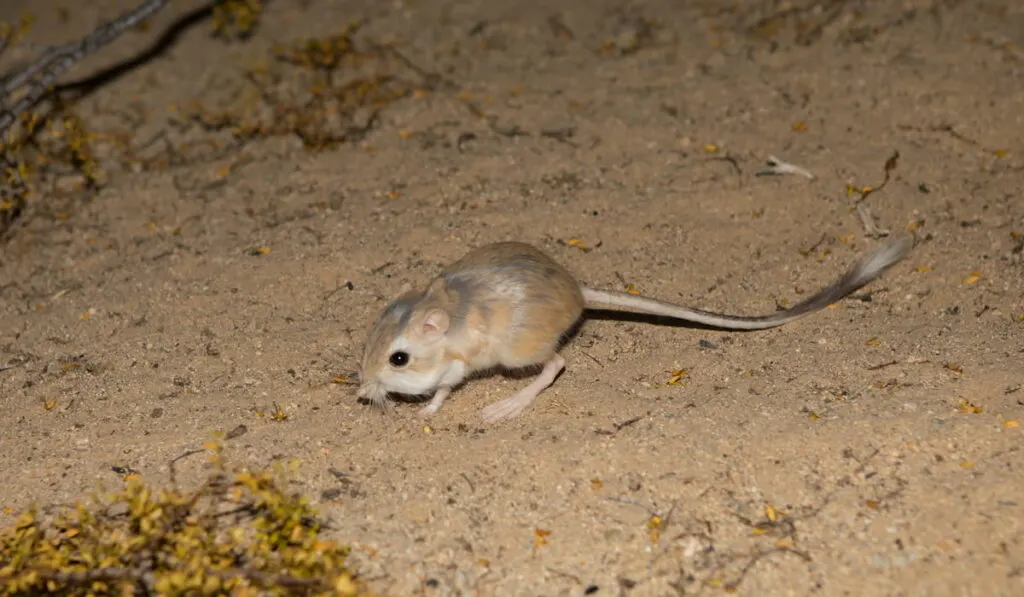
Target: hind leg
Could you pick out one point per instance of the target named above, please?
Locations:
(513, 405)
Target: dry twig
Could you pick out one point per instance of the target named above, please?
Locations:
(40, 75)
(871, 228)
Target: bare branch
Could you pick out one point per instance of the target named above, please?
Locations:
(49, 67)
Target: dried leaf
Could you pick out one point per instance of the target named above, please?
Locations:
(540, 538)
(577, 243)
(654, 524)
(967, 407)
(345, 587)
(677, 376)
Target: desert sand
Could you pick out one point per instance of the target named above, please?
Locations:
(873, 448)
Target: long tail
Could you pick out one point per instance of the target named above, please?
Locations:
(865, 270)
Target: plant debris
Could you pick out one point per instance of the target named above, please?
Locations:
(238, 533)
(778, 167)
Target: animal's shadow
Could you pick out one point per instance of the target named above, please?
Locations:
(658, 320)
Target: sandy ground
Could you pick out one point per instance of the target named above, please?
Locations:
(872, 449)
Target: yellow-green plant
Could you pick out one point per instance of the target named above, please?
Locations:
(238, 533)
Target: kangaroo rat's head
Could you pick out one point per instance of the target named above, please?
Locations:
(405, 353)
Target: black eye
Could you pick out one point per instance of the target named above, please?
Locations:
(399, 358)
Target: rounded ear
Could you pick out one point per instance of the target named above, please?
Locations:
(435, 323)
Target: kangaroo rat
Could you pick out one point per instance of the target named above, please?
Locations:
(509, 305)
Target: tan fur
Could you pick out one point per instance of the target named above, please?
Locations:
(509, 305)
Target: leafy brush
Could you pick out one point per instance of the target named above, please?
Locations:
(238, 533)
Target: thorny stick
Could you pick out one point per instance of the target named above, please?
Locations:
(619, 426)
(757, 557)
(890, 165)
(622, 500)
(56, 61)
(731, 161)
(173, 472)
(867, 220)
(907, 361)
(807, 252)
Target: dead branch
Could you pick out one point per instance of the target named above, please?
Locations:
(42, 73)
